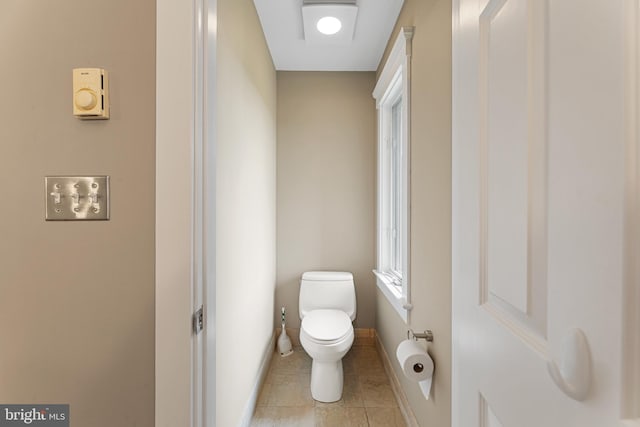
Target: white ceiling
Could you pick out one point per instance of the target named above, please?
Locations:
(283, 28)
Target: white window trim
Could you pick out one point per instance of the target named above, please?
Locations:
(398, 65)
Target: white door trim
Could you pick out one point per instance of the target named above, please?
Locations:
(183, 250)
(174, 212)
(198, 405)
(209, 35)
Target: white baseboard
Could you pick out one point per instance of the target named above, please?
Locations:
(250, 406)
(403, 403)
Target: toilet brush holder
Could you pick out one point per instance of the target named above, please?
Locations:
(284, 343)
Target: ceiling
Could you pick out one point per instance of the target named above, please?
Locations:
(282, 23)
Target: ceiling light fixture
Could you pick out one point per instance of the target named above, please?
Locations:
(329, 25)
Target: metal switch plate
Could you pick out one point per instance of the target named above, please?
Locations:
(71, 198)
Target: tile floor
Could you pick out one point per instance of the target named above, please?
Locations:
(367, 399)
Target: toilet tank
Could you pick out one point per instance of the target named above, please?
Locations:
(327, 290)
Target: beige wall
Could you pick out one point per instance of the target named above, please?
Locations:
(326, 183)
(77, 298)
(245, 207)
(430, 206)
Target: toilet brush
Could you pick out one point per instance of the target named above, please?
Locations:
(284, 343)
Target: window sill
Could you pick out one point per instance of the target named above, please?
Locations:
(393, 293)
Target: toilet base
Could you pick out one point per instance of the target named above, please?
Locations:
(326, 381)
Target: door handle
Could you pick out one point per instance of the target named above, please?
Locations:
(573, 376)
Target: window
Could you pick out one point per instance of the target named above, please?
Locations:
(396, 173)
(392, 101)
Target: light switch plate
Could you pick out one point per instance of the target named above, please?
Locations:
(71, 198)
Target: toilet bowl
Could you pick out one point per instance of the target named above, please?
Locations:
(327, 308)
(326, 336)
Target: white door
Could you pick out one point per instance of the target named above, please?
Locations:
(543, 93)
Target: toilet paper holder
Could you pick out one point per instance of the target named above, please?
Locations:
(426, 335)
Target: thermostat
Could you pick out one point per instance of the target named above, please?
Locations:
(90, 93)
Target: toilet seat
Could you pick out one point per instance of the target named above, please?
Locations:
(326, 326)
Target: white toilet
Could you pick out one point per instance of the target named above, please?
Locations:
(327, 307)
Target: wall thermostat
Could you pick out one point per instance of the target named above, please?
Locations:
(90, 93)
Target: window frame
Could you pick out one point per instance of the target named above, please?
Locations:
(393, 86)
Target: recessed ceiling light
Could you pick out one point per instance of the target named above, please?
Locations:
(329, 25)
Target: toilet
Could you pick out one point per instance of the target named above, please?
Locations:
(327, 308)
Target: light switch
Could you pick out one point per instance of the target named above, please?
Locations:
(71, 198)
(90, 93)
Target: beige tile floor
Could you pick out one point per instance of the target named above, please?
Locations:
(367, 399)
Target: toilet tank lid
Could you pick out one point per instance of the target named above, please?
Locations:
(327, 275)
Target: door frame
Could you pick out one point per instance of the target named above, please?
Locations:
(185, 212)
